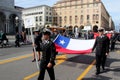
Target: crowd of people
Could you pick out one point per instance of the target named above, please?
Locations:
(20, 37)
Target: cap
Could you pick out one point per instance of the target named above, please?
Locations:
(46, 33)
(36, 30)
(101, 29)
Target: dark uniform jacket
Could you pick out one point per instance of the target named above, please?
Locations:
(38, 41)
(48, 52)
(102, 45)
(17, 37)
(114, 38)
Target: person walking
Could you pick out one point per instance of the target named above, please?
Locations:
(102, 50)
(37, 38)
(113, 40)
(17, 41)
(48, 57)
(90, 35)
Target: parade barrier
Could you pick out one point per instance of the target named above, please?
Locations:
(73, 46)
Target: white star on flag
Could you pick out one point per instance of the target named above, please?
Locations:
(62, 42)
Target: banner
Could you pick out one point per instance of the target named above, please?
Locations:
(29, 22)
(73, 46)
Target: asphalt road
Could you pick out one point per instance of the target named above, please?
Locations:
(15, 64)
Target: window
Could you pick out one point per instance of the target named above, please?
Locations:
(87, 1)
(97, 17)
(96, 0)
(94, 18)
(46, 12)
(95, 4)
(60, 20)
(76, 4)
(81, 18)
(36, 25)
(70, 19)
(47, 18)
(76, 19)
(81, 11)
(88, 17)
(36, 18)
(40, 18)
(50, 19)
(88, 5)
(40, 23)
(81, 6)
(65, 19)
(81, 1)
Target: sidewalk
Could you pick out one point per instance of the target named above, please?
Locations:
(12, 41)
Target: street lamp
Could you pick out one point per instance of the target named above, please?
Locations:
(17, 23)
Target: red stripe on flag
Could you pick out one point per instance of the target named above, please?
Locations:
(63, 50)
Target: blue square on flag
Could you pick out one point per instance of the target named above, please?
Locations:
(62, 41)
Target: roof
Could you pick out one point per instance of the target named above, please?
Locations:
(37, 6)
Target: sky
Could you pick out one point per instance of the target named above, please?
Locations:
(112, 6)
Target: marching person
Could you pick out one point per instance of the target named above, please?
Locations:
(17, 41)
(90, 35)
(37, 44)
(102, 50)
(113, 40)
(48, 57)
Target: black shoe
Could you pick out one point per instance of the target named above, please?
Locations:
(97, 73)
(103, 68)
(33, 60)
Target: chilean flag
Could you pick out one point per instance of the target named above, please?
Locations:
(73, 46)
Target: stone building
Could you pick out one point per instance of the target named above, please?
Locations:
(10, 17)
(81, 13)
(42, 15)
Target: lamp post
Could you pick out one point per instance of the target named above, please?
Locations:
(16, 24)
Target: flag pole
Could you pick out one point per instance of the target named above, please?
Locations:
(32, 37)
(56, 37)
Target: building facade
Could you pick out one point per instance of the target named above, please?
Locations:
(10, 17)
(42, 15)
(81, 13)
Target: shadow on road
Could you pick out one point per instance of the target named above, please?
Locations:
(110, 61)
(86, 60)
(98, 78)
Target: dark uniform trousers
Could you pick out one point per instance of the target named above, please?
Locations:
(102, 47)
(49, 70)
(100, 60)
(48, 56)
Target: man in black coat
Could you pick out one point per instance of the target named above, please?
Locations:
(102, 50)
(113, 41)
(90, 35)
(48, 57)
(17, 41)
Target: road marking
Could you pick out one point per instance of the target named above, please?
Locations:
(60, 59)
(86, 70)
(15, 59)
